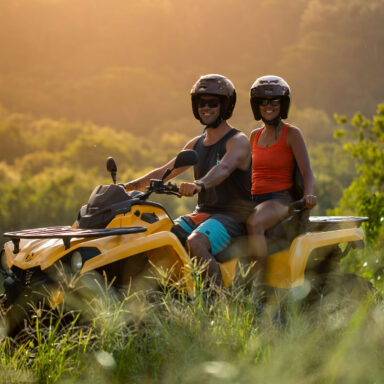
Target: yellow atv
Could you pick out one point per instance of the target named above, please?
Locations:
(125, 237)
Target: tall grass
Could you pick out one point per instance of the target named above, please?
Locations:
(226, 337)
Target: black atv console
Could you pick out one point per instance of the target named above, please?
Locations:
(108, 201)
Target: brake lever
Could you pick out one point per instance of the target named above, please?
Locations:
(173, 193)
(172, 189)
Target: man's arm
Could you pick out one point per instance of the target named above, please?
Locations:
(238, 155)
(142, 182)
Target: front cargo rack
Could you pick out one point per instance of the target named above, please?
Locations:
(66, 233)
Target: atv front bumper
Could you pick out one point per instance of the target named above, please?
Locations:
(28, 285)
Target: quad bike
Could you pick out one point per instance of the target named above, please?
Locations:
(124, 236)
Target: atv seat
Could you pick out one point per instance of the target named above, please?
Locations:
(278, 238)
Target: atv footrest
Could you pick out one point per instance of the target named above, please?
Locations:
(67, 233)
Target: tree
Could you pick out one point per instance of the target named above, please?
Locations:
(364, 140)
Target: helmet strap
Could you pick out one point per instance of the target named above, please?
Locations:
(215, 124)
(274, 122)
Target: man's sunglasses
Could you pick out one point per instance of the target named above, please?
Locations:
(212, 103)
(273, 102)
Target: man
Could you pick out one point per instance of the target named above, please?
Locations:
(222, 175)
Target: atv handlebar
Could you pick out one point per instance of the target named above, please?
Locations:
(158, 186)
(296, 207)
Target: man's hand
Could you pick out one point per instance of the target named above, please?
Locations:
(189, 189)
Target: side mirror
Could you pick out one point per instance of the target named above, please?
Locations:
(112, 168)
(185, 158)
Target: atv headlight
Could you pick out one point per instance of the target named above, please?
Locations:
(4, 264)
(76, 261)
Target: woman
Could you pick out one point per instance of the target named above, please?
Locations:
(276, 146)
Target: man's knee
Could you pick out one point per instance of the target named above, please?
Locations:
(198, 242)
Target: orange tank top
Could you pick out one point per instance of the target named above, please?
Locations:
(272, 167)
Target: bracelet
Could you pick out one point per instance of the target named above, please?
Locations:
(201, 184)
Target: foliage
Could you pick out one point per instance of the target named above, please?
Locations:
(213, 338)
(333, 173)
(323, 62)
(50, 198)
(12, 142)
(58, 163)
(364, 140)
(131, 66)
(316, 125)
(48, 168)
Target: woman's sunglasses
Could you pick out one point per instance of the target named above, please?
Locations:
(273, 102)
(212, 103)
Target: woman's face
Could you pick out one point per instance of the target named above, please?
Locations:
(270, 107)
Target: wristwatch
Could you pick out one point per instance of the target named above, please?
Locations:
(201, 184)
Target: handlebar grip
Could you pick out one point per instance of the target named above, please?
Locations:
(296, 207)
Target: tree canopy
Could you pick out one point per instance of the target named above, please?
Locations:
(364, 140)
(131, 64)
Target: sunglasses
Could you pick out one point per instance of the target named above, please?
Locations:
(212, 103)
(273, 102)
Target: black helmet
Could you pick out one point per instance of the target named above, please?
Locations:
(270, 86)
(216, 85)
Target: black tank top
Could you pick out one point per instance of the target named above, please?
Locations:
(233, 195)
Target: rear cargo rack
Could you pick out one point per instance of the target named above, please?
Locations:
(328, 223)
(66, 233)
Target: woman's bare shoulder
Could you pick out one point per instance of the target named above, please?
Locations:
(254, 131)
(293, 131)
(294, 136)
(253, 134)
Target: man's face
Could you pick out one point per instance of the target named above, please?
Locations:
(208, 108)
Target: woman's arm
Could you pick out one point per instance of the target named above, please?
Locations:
(295, 141)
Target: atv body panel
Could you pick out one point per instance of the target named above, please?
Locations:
(126, 235)
(290, 245)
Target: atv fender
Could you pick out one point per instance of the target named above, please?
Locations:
(176, 257)
(286, 269)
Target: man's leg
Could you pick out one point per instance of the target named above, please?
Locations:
(210, 238)
(199, 247)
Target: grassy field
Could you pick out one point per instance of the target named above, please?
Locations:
(226, 338)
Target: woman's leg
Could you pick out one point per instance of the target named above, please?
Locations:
(265, 216)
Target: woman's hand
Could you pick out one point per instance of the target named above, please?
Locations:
(310, 201)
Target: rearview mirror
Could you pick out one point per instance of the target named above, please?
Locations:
(186, 158)
(112, 168)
